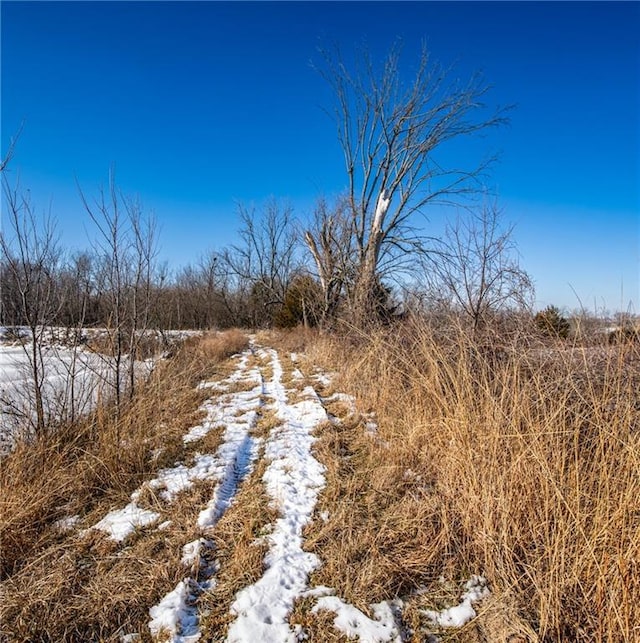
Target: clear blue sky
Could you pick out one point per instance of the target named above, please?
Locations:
(200, 105)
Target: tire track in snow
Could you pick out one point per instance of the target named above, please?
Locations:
(175, 617)
(293, 479)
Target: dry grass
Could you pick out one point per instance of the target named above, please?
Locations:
(61, 586)
(216, 347)
(515, 463)
(239, 546)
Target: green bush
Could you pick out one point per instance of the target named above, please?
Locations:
(552, 323)
(300, 303)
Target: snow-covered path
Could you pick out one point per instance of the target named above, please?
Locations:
(175, 617)
(266, 421)
(293, 480)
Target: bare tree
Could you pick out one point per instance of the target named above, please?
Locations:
(475, 268)
(30, 255)
(126, 251)
(391, 135)
(263, 264)
(8, 155)
(143, 263)
(112, 249)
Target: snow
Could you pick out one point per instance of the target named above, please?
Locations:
(206, 466)
(322, 379)
(176, 615)
(73, 381)
(236, 456)
(355, 624)
(119, 523)
(173, 617)
(68, 523)
(226, 410)
(293, 480)
(461, 614)
(348, 400)
(191, 552)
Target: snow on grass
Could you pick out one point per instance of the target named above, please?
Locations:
(119, 523)
(175, 617)
(191, 552)
(232, 407)
(293, 480)
(461, 614)
(69, 523)
(353, 623)
(175, 479)
(73, 380)
(237, 456)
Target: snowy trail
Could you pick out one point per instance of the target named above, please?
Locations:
(175, 618)
(293, 481)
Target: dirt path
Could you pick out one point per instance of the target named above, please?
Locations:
(292, 479)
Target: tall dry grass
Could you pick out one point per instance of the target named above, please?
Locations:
(56, 586)
(528, 459)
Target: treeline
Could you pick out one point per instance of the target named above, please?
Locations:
(119, 283)
(277, 274)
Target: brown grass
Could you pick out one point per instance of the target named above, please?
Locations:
(238, 549)
(515, 463)
(216, 347)
(502, 458)
(60, 586)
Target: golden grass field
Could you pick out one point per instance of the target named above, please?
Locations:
(516, 459)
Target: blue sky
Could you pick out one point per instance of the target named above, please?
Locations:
(201, 105)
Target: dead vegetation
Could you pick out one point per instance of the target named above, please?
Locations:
(58, 585)
(485, 462)
(509, 459)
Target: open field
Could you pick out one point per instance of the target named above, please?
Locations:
(407, 485)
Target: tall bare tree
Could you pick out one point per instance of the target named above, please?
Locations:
(391, 134)
(144, 252)
(126, 250)
(263, 264)
(331, 244)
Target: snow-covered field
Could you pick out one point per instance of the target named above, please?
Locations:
(72, 380)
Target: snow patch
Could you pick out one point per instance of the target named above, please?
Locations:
(349, 620)
(461, 614)
(176, 616)
(293, 480)
(173, 618)
(122, 522)
(67, 524)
